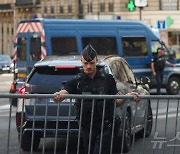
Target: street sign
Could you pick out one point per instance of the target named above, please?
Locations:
(141, 3)
(169, 21)
(161, 24)
(130, 5)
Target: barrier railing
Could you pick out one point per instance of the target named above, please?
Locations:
(155, 119)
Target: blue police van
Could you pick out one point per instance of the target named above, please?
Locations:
(132, 40)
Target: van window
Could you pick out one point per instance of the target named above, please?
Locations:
(21, 48)
(35, 49)
(64, 45)
(103, 45)
(134, 46)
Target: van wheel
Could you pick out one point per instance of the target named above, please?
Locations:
(149, 124)
(127, 139)
(173, 86)
(26, 142)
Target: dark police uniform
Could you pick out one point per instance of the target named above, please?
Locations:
(101, 84)
(159, 65)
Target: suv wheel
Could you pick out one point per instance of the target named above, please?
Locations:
(173, 86)
(26, 142)
(127, 136)
(149, 123)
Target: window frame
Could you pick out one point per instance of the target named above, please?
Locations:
(132, 45)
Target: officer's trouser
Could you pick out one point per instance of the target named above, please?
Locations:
(159, 80)
(95, 141)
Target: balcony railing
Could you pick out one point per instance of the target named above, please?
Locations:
(5, 7)
(27, 2)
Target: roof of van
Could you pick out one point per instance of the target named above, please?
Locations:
(125, 24)
(56, 20)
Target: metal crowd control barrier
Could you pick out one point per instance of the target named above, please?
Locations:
(62, 122)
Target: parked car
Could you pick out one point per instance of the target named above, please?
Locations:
(49, 75)
(6, 64)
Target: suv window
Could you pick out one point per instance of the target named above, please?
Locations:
(119, 72)
(129, 73)
(50, 77)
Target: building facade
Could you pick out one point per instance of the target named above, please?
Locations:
(161, 14)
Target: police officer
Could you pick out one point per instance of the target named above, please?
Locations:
(157, 66)
(93, 81)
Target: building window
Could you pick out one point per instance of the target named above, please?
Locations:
(111, 6)
(69, 8)
(102, 7)
(38, 2)
(174, 42)
(61, 9)
(52, 9)
(81, 9)
(45, 9)
(169, 5)
(90, 7)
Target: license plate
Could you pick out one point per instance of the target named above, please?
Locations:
(5, 68)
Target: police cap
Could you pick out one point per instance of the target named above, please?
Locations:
(89, 53)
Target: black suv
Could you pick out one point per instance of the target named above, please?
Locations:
(49, 75)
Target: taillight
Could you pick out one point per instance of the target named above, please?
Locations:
(22, 90)
(68, 66)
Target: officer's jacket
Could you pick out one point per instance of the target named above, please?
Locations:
(101, 84)
(159, 63)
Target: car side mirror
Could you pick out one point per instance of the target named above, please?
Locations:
(144, 80)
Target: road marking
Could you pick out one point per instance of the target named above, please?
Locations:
(5, 106)
(162, 114)
(164, 110)
(7, 115)
(6, 74)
